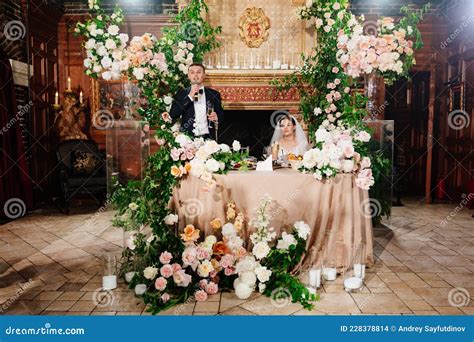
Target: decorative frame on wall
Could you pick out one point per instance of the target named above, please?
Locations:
(114, 97)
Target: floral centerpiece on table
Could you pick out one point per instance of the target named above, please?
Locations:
(202, 158)
(339, 151)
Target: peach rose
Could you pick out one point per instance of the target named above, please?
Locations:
(190, 233)
(216, 223)
(176, 171)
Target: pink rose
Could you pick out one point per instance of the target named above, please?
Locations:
(181, 278)
(166, 257)
(365, 163)
(200, 296)
(335, 70)
(189, 257)
(160, 283)
(212, 288)
(175, 153)
(202, 253)
(203, 283)
(229, 271)
(176, 267)
(146, 128)
(166, 271)
(165, 297)
(227, 261)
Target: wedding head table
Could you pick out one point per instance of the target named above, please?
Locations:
(332, 208)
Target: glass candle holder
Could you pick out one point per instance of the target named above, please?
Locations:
(109, 271)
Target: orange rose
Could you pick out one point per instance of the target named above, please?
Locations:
(176, 171)
(187, 166)
(216, 265)
(216, 223)
(220, 248)
(190, 233)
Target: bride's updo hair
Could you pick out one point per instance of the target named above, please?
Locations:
(286, 117)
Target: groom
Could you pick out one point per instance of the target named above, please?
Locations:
(199, 107)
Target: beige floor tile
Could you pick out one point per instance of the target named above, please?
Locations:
(265, 306)
(60, 305)
(380, 304)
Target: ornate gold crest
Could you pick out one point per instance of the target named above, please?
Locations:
(254, 25)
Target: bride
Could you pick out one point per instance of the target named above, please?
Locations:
(290, 137)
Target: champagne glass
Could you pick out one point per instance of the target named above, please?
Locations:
(210, 109)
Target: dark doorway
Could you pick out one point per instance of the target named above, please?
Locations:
(251, 127)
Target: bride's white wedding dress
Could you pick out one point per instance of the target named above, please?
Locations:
(301, 141)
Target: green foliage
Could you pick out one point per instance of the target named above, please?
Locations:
(282, 262)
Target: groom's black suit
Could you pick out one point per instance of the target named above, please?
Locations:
(183, 107)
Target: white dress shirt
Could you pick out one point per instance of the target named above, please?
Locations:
(201, 125)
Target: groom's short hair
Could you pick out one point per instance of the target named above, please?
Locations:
(200, 65)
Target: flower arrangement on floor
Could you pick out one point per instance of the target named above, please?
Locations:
(201, 266)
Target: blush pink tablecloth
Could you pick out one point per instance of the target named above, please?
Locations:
(332, 208)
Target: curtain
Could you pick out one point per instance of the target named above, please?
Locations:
(15, 182)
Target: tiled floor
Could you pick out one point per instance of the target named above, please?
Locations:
(50, 265)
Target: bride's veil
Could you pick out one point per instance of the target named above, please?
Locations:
(302, 142)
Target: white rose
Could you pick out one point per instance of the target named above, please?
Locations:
(242, 290)
(286, 241)
(263, 274)
(302, 229)
(90, 44)
(150, 272)
(171, 219)
(228, 230)
(133, 206)
(110, 44)
(106, 62)
(236, 146)
(224, 148)
(138, 73)
(123, 38)
(317, 111)
(261, 250)
(167, 100)
(101, 50)
(113, 30)
(212, 165)
(248, 278)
